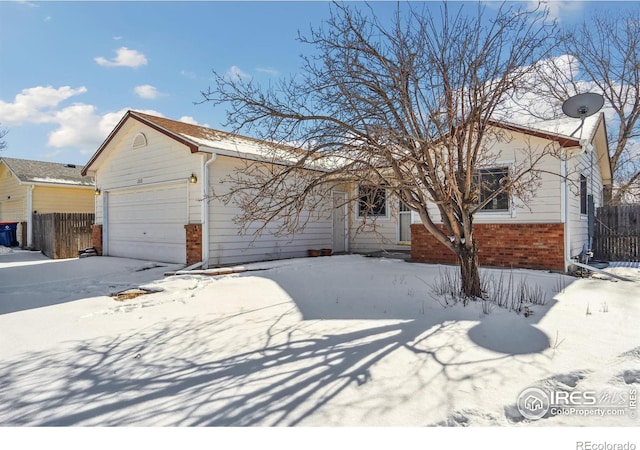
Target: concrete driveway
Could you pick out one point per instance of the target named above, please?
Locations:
(31, 280)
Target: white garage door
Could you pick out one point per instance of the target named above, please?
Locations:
(148, 223)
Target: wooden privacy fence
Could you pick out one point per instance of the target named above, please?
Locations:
(62, 235)
(617, 233)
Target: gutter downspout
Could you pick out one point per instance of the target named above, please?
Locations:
(205, 211)
(30, 216)
(567, 233)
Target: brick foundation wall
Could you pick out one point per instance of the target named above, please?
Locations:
(96, 238)
(526, 246)
(194, 243)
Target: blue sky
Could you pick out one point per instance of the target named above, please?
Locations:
(70, 70)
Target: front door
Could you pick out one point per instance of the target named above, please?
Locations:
(339, 228)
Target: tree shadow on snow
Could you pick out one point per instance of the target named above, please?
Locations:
(191, 372)
(37, 281)
(263, 366)
(349, 295)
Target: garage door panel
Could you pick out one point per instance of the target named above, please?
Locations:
(149, 252)
(148, 223)
(146, 232)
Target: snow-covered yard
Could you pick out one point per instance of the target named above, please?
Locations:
(332, 341)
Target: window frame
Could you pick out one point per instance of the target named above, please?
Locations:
(504, 169)
(139, 140)
(584, 195)
(359, 212)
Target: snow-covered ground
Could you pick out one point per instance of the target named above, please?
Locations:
(331, 341)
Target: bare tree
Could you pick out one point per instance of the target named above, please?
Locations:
(402, 104)
(603, 55)
(3, 133)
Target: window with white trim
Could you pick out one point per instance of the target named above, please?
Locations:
(583, 194)
(488, 182)
(372, 201)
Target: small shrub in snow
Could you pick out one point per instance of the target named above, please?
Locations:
(560, 285)
(498, 290)
(487, 306)
(448, 286)
(557, 342)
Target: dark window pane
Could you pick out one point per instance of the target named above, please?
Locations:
(583, 194)
(372, 202)
(489, 182)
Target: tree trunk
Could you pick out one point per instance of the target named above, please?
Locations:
(607, 193)
(469, 272)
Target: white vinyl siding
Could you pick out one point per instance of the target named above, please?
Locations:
(545, 204)
(162, 160)
(377, 233)
(228, 246)
(580, 164)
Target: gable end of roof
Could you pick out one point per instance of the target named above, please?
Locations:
(144, 119)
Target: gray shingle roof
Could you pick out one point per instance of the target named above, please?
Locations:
(29, 171)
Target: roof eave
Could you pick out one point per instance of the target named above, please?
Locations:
(104, 144)
(11, 170)
(564, 141)
(193, 147)
(603, 153)
(65, 185)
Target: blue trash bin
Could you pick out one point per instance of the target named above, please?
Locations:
(9, 234)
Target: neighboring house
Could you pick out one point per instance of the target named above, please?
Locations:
(553, 227)
(156, 178)
(37, 187)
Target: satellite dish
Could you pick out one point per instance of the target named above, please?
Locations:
(581, 106)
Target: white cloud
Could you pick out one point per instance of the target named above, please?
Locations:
(34, 104)
(81, 127)
(268, 70)
(124, 58)
(236, 74)
(558, 8)
(192, 121)
(147, 92)
(78, 125)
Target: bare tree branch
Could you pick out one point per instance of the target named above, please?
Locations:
(403, 104)
(603, 56)
(3, 133)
